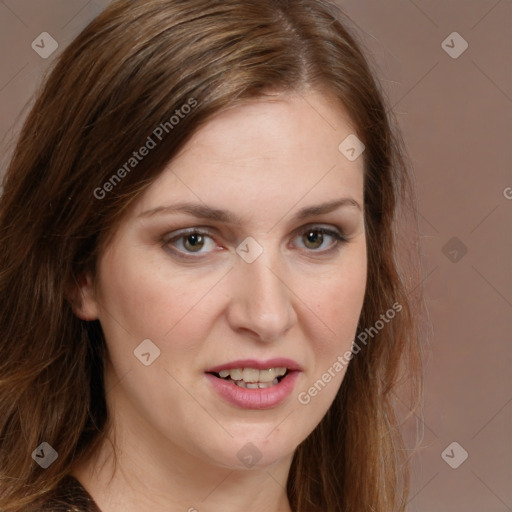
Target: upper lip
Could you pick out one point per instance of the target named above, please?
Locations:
(278, 362)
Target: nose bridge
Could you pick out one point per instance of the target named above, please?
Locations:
(261, 300)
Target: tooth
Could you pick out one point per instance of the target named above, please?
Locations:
(274, 382)
(250, 375)
(267, 375)
(263, 385)
(252, 385)
(241, 383)
(236, 373)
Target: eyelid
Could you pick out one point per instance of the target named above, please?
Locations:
(330, 230)
(181, 233)
(335, 230)
(186, 231)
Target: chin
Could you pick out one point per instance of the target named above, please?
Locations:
(251, 454)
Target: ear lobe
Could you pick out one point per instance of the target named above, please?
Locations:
(81, 296)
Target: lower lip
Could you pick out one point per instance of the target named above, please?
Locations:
(254, 398)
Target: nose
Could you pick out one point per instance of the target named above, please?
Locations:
(261, 301)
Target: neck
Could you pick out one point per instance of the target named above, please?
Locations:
(170, 479)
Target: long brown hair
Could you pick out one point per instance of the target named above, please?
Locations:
(128, 72)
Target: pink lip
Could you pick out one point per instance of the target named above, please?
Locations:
(278, 362)
(254, 398)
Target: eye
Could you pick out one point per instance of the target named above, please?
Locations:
(194, 242)
(317, 237)
(191, 242)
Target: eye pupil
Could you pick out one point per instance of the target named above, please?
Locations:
(315, 238)
(194, 242)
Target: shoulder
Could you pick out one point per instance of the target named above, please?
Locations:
(69, 496)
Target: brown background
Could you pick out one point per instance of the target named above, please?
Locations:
(456, 117)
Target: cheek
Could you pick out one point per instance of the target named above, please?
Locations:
(338, 300)
(144, 297)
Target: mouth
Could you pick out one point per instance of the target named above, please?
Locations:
(251, 384)
(252, 378)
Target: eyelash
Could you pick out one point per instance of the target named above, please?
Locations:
(340, 239)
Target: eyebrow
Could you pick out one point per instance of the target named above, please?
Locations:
(206, 212)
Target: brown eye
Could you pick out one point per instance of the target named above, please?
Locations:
(320, 240)
(193, 242)
(313, 238)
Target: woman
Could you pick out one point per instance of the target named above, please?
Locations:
(200, 302)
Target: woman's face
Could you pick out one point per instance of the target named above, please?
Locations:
(220, 279)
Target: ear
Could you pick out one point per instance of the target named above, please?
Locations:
(82, 297)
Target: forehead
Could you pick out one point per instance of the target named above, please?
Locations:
(286, 126)
(280, 150)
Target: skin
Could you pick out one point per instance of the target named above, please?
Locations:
(176, 438)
